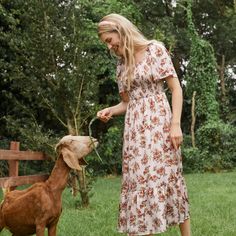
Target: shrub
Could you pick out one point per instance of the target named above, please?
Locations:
(110, 150)
(192, 161)
(217, 140)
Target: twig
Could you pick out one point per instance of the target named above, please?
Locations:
(90, 135)
(53, 111)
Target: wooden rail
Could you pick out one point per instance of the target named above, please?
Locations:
(13, 156)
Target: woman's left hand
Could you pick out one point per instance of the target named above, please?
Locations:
(176, 135)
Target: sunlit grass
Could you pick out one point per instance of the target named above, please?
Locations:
(212, 199)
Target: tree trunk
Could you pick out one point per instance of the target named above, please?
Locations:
(223, 98)
(222, 77)
(83, 187)
(70, 127)
(80, 175)
(74, 184)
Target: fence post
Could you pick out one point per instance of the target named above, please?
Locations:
(14, 164)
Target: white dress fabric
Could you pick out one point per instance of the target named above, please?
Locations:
(153, 193)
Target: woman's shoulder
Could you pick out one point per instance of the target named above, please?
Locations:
(157, 48)
(154, 45)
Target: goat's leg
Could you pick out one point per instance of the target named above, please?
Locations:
(1, 226)
(40, 230)
(52, 228)
(1, 223)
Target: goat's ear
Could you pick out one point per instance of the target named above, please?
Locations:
(70, 159)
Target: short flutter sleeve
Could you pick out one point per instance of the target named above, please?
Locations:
(119, 69)
(161, 64)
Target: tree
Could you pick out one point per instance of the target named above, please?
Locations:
(58, 68)
(213, 135)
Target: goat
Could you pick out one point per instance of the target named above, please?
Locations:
(32, 210)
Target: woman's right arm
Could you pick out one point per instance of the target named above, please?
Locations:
(119, 109)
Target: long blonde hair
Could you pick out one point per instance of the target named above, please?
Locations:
(131, 40)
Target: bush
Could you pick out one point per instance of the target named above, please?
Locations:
(4, 144)
(110, 150)
(192, 161)
(216, 148)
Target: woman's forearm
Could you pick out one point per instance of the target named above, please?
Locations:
(177, 99)
(177, 103)
(119, 109)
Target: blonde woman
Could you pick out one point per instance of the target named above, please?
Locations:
(153, 193)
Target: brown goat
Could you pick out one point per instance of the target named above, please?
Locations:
(32, 210)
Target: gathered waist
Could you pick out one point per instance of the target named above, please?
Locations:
(147, 96)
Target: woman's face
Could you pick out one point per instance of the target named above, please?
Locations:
(113, 42)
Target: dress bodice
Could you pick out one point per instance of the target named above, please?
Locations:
(148, 73)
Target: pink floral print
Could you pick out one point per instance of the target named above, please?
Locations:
(153, 194)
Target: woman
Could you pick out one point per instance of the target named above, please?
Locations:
(153, 193)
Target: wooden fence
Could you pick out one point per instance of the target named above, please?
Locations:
(13, 156)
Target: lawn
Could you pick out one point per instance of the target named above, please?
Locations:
(212, 198)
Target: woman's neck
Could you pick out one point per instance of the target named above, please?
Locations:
(139, 55)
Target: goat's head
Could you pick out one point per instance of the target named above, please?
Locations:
(74, 148)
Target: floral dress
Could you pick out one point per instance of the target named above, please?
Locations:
(153, 193)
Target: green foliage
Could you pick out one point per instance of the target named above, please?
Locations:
(214, 139)
(218, 140)
(216, 22)
(192, 161)
(110, 150)
(4, 144)
(201, 74)
(33, 136)
(215, 151)
(202, 77)
(53, 68)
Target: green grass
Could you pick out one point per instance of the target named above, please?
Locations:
(212, 198)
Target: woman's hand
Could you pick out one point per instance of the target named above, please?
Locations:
(105, 115)
(176, 135)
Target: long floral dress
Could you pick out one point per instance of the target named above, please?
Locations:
(153, 193)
